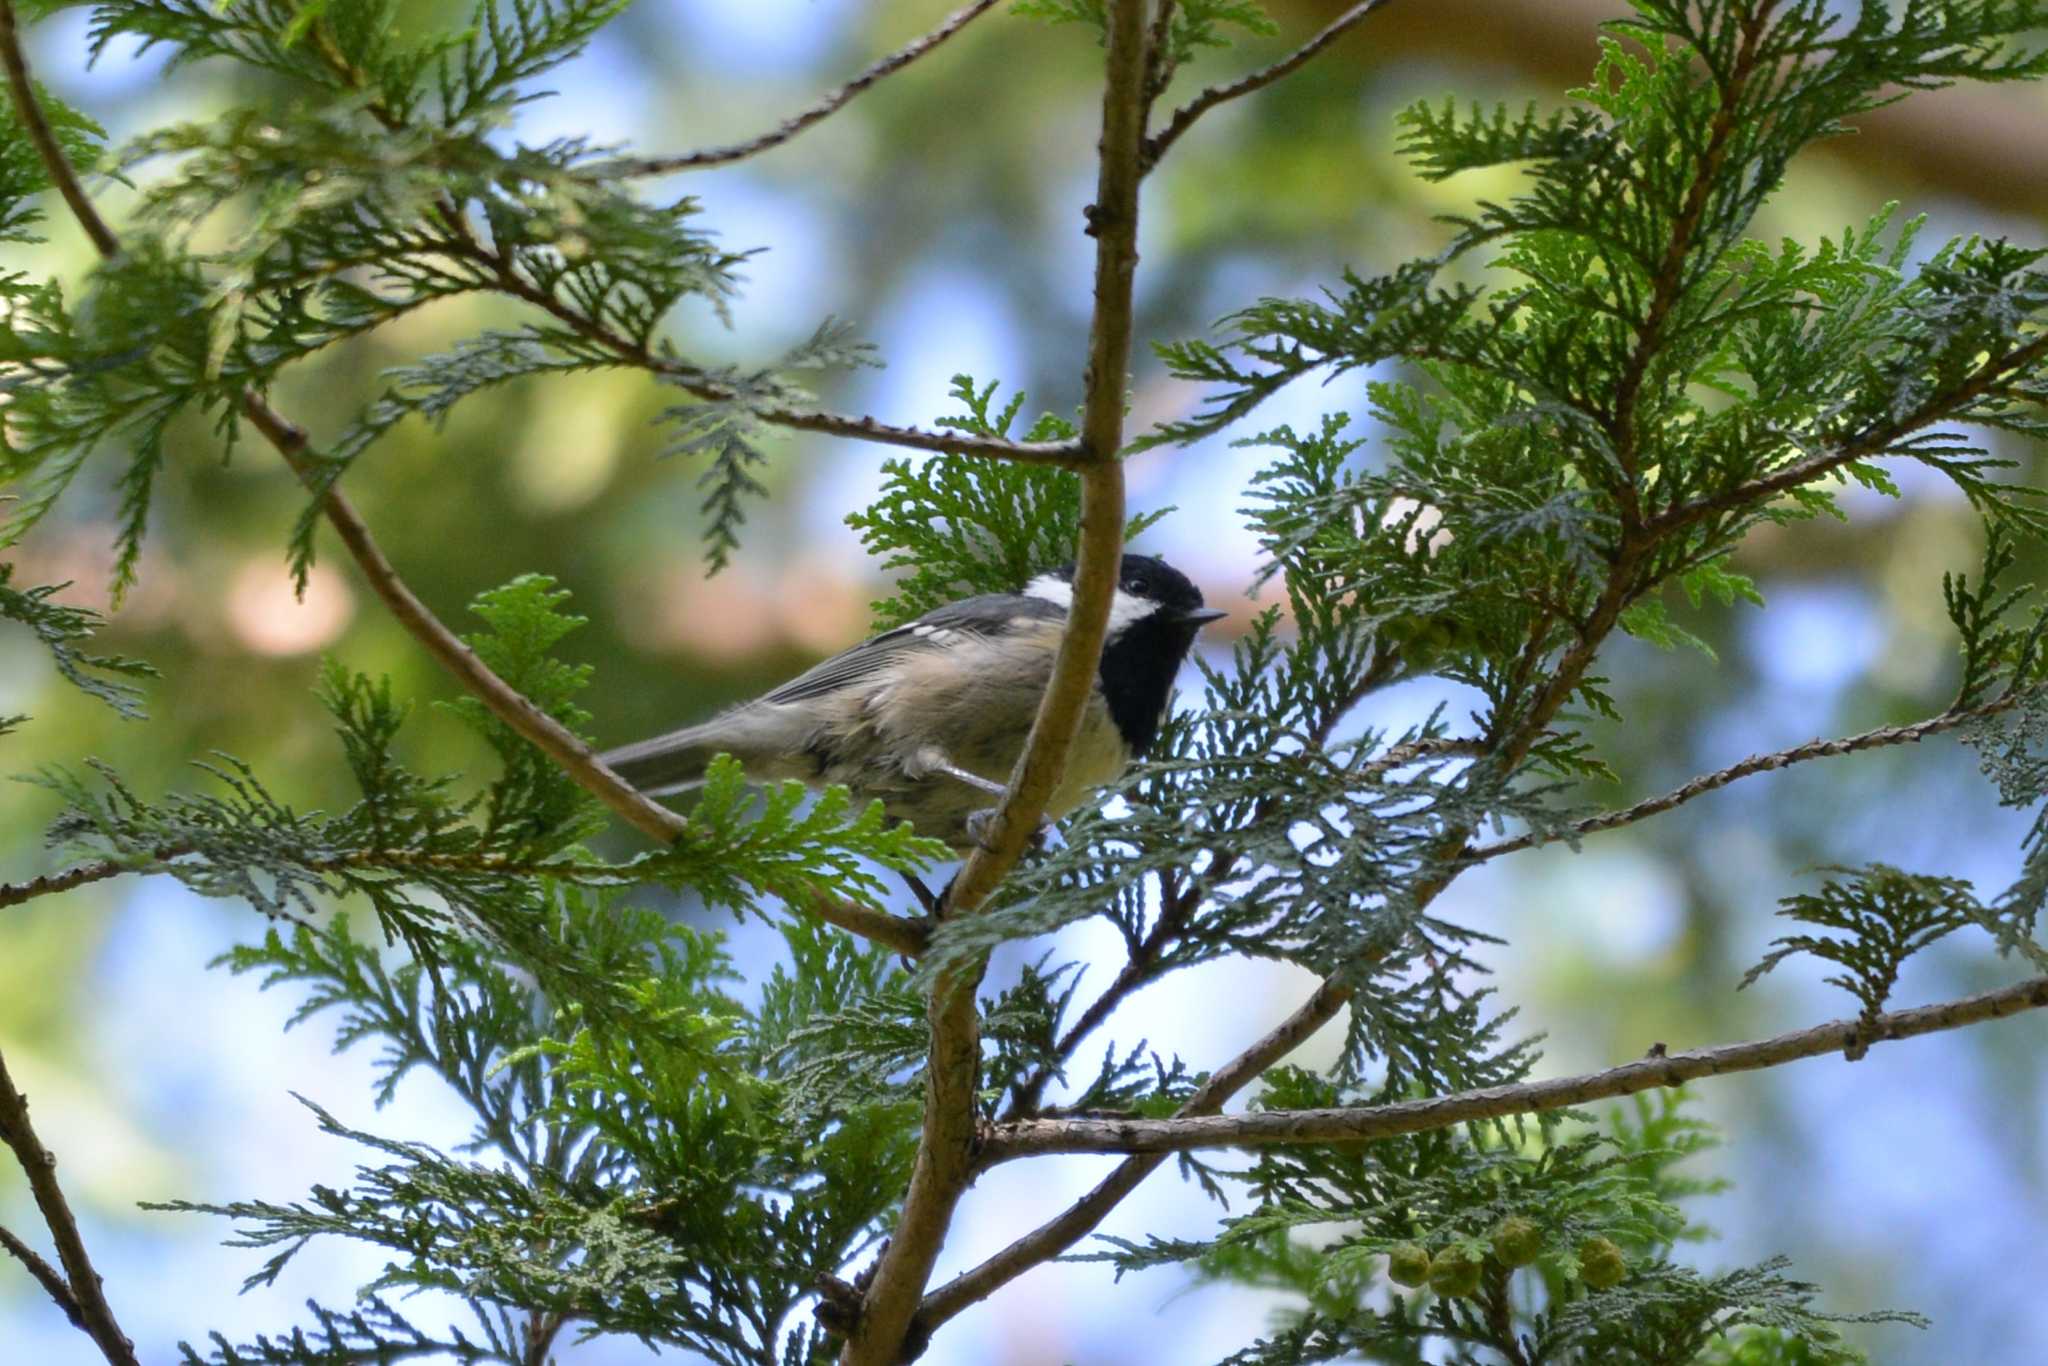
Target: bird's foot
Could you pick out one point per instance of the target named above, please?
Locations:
(980, 825)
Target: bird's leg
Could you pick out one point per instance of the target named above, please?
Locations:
(935, 762)
(973, 780)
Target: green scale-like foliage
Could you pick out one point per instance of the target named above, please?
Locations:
(1582, 403)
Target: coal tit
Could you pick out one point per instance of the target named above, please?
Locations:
(931, 717)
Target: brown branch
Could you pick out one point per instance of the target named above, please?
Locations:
(30, 111)
(1185, 116)
(816, 113)
(503, 701)
(1879, 738)
(16, 893)
(1028, 1138)
(87, 1304)
(1159, 63)
(1073, 1224)
(888, 1330)
(901, 934)
(1064, 454)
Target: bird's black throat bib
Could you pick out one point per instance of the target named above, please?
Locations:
(1138, 669)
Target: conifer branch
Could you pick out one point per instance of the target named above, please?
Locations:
(1879, 738)
(1179, 904)
(945, 1155)
(1059, 1234)
(1184, 117)
(897, 933)
(557, 741)
(1668, 283)
(829, 105)
(289, 439)
(86, 1305)
(1355, 1124)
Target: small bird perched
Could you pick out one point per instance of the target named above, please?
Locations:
(931, 717)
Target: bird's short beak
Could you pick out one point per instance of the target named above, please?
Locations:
(1202, 616)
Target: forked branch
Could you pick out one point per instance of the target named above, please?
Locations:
(1185, 116)
(83, 1300)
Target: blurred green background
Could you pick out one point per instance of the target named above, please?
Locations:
(942, 213)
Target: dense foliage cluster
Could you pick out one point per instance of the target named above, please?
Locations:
(1581, 406)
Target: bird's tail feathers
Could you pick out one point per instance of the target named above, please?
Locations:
(759, 737)
(665, 764)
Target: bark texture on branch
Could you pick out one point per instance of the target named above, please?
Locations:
(1026, 1138)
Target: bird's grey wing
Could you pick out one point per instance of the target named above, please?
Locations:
(987, 615)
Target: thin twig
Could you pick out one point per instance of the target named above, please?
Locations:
(1185, 116)
(816, 113)
(47, 1276)
(1159, 63)
(87, 1306)
(1064, 454)
(887, 1330)
(698, 383)
(898, 933)
(1879, 738)
(1033, 1137)
(16, 893)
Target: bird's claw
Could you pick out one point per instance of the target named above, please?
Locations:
(980, 825)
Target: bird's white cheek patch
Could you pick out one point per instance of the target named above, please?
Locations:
(1051, 588)
(1124, 608)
